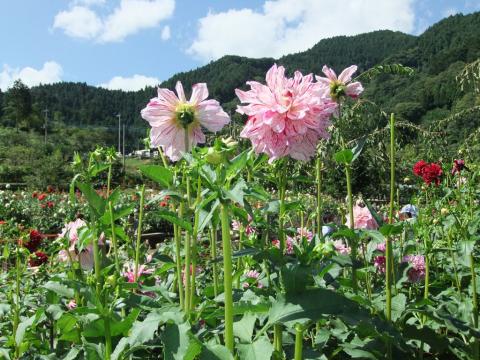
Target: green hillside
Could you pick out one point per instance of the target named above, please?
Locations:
(430, 95)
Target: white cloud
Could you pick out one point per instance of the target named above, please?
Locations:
(129, 17)
(50, 72)
(79, 21)
(288, 26)
(134, 83)
(166, 33)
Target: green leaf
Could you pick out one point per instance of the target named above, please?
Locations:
(59, 289)
(357, 149)
(243, 328)
(158, 173)
(179, 342)
(391, 229)
(4, 354)
(215, 352)
(236, 165)
(22, 327)
(174, 219)
(96, 202)
(72, 354)
(344, 156)
(261, 349)
(398, 305)
(237, 192)
(205, 217)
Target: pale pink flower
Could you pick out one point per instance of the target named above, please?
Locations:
(342, 84)
(382, 247)
(170, 116)
(70, 230)
(249, 230)
(72, 304)
(341, 248)
(380, 263)
(129, 272)
(362, 218)
(304, 232)
(287, 116)
(417, 272)
(289, 245)
(254, 275)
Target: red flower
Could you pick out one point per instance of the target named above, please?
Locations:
(34, 241)
(50, 204)
(432, 173)
(163, 204)
(42, 196)
(38, 258)
(43, 206)
(166, 198)
(419, 167)
(50, 189)
(34, 195)
(458, 166)
(2, 222)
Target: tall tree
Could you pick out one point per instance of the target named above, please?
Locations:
(18, 102)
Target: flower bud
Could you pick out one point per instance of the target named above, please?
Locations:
(444, 211)
(213, 157)
(111, 280)
(435, 221)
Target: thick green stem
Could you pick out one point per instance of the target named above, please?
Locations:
(277, 338)
(16, 318)
(114, 239)
(139, 231)
(178, 261)
(388, 247)
(319, 166)
(194, 242)
(109, 179)
(97, 264)
(108, 337)
(213, 257)
(227, 277)
(476, 344)
(298, 342)
(353, 244)
(281, 214)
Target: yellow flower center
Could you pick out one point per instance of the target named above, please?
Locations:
(185, 114)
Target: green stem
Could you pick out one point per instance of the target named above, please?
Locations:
(139, 231)
(239, 261)
(319, 166)
(194, 241)
(114, 239)
(281, 214)
(227, 277)
(388, 250)
(353, 244)
(277, 338)
(476, 344)
(108, 337)
(298, 342)
(109, 179)
(16, 319)
(96, 261)
(162, 155)
(178, 261)
(213, 257)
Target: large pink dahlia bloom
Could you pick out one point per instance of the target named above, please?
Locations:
(287, 116)
(172, 116)
(341, 85)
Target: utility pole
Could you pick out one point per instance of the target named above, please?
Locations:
(119, 122)
(45, 112)
(123, 149)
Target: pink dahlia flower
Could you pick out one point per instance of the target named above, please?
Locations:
(417, 271)
(72, 304)
(171, 116)
(362, 218)
(304, 232)
(341, 248)
(287, 116)
(380, 262)
(341, 85)
(289, 242)
(129, 272)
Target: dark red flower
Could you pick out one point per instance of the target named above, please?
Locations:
(432, 173)
(50, 204)
(163, 203)
(458, 166)
(34, 195)
(43, 206)
(2, 222)
(50, 189)
(34, 240)
(419, 167)
(166, 198)
(38, 258)
(42, 196)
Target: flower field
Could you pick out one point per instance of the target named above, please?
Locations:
(225, 252)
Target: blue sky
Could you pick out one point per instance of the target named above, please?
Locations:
(128, 44)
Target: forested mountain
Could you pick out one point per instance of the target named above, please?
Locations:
(431, 94)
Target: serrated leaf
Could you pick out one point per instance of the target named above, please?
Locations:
(261, 349)
(157, 173)
(243, 328)
(59, 289)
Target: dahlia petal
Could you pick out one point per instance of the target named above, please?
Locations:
(199, 93)
(354, 89)
(346, 75)
(212, 116)
(329, 73)
(180, 92)
(168, 96)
